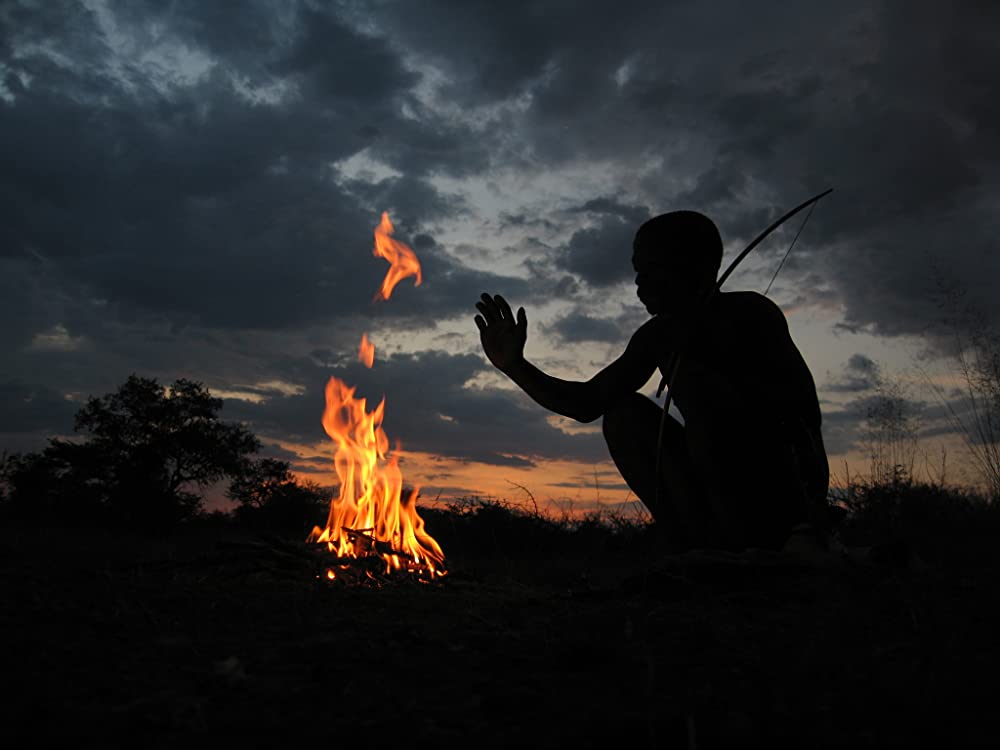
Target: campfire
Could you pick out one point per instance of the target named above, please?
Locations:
(373, 528)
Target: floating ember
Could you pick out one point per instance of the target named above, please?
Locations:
(402, 260)
(366, 352)
(371, 519)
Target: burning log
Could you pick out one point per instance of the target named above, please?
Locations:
(369, 568)
(370, 517)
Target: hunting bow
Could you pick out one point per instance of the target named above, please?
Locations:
(672, 366)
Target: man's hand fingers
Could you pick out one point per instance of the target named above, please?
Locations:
(488, 308)
(501, 335)
(504, 308)
(488, 316)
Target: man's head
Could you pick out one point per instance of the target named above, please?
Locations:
(676, 256)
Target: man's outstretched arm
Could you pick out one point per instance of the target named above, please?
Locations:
(503, 337)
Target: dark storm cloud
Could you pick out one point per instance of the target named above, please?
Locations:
(904, 138)
(28, 408)
(360, 69)
(197, 201)
(578, 326)
(165, 226)
(601, 253)
(174, 195)
(890, 103)
(508, 219)
(853, 425)
(958, 416)
(860, 374)
(841, 429)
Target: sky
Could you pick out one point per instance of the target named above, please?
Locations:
(190, 190)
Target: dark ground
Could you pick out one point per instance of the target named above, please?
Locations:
(212, 637)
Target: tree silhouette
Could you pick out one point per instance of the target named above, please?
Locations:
(271, 498)
(149, 451)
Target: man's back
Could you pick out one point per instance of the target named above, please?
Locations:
(741, 338)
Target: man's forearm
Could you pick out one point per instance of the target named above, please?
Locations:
(566, 397)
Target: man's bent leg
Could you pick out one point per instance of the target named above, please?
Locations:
(631, 429)
(750, 471)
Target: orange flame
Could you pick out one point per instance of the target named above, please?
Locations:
(402, 260)
(369, 516)
(366, 352)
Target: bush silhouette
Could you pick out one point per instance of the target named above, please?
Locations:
(272, 500)
(148, 452)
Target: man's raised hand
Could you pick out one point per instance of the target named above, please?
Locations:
(502, 336)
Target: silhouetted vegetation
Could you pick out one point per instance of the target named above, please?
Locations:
(146, 455)
(270, 499)
(976, 419)
(937, 522)
(483, 528)
(890, 505)
(890, 432)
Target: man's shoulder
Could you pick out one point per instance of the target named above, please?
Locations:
(648, 333)
(750, 308)
(746, 301)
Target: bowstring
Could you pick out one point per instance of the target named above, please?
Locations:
(789, 250)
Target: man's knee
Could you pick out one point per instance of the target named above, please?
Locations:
(627, 417)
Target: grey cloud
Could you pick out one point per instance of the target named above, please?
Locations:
(273, 450)
(842, 429)
(526, 219)
(601, 253)
(862, 364)
(198, 203)
(854, 96)
(577, 327)
(860, 374)
(31, 408)
(335, 62)
(611, 206)
(490, 51)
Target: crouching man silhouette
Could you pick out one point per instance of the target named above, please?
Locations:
(747, 466)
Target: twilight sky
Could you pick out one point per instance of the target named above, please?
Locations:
(189, 189)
